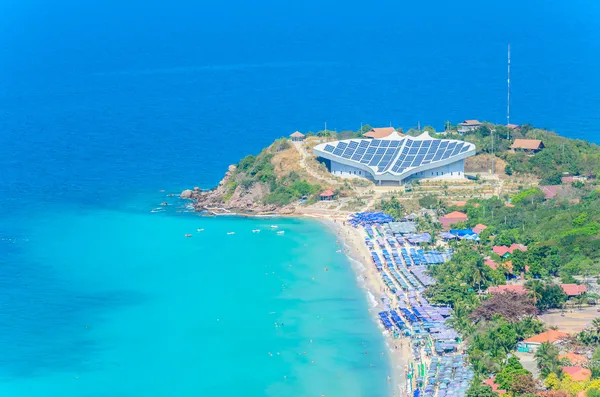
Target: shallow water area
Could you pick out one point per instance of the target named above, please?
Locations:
(118, 302)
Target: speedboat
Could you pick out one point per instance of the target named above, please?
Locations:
(230, 233)
(274, 226)
(200, 230)
(280, 232)
(158, 210)
(256, 231)
(188, 235)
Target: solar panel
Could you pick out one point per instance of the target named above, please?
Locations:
(423, 150)
(451, 146)
(438, 154)
(465, 148)
(338, 151)
(416, 144)
(353, 144)
(367, 157)
(418, 160)
(371, 150)
(329, 148)
(435, 144)
(376, 159)
(363, 144)
(395, 143)
(426, 143)
(457, 149)
(356, 156)
(413, 150)
(374, 143)
(384, 144)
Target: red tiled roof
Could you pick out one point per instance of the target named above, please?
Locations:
(470, 123)
(460, 203)
(297, 134)
(567, 179)
(548, 336)
(327, 193)
(512, 126)
(509, 205)
(456, 215)
(550, 191)
(577, 373)
(519, 247)
(503, 249)
(529, 144)
(491, 264)
(519, 289)
(479, 228)
(492, 383)
(574, 358)
(573, 289)
(379, 132)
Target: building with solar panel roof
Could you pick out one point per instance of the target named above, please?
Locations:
(396, 158)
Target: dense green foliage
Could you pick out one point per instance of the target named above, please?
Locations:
(392, 207)
(562, 239)
(481, 391)
(560, 155)
(259, 169)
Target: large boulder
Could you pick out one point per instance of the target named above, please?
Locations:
(186, 194)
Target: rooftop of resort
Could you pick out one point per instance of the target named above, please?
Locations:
(550, 336)
(527, 144)
(378, 133)
(502, 250)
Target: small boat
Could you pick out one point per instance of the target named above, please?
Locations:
(230, 233)
(256, 231)
(158, 210)
(188, 235)
(200, 230)
(190, 207)
(281, 232)
(274, 226)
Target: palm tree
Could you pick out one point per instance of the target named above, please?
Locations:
(547, 359)
(536, 290)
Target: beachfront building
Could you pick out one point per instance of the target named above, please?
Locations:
(468, 126)
(327, 195)
(530, 345)
(297, 136)
(452, 218)
(396, 158)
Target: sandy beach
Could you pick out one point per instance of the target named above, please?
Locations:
(370, 280)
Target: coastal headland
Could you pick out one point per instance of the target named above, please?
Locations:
(519, 221)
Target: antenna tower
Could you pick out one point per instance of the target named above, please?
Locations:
(508, 95)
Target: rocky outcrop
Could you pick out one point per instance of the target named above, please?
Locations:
(241, 200)
(186, 194)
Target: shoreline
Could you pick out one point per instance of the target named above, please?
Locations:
(367, 279)
(370, 283)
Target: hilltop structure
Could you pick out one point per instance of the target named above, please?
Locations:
(396, 158)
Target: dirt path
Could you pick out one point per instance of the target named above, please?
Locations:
(303, 156)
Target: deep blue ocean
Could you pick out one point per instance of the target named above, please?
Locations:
(103, 104)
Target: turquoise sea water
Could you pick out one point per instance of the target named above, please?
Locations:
(120, 303)
(105, 102)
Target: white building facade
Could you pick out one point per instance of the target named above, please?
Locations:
(396, 159)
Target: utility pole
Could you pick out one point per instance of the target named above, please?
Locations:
(508, 96)
(493, 155)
